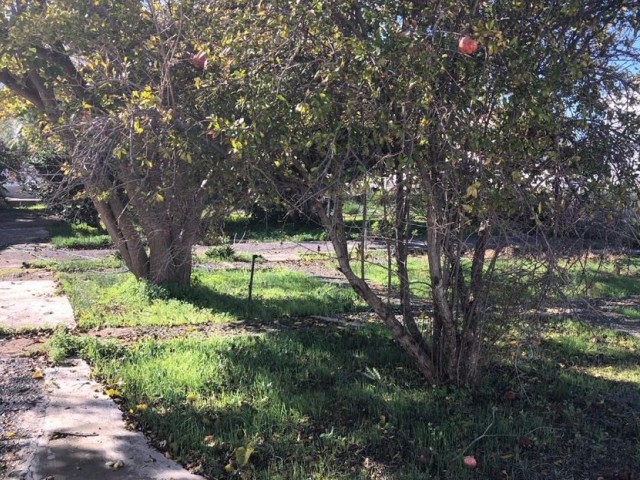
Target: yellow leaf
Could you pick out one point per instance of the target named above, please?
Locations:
(243, 454)
(10, 434)
(142, 406)
(159, 197)
(37, 374)
(113, 393)
(228, 468)
(137, 128)
(472, 190)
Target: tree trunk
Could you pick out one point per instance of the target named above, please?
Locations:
(124, 235)
(335, 227)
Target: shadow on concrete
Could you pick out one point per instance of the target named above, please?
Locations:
(19, 226)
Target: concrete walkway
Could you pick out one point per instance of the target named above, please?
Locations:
(33, 304)
(84, 436)
(68, 430)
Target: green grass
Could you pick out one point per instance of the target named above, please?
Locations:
(78, 236)
(38, 207)
(629, 312)
(77, 265)
(376, 271)
(216, 296)
(242, 227)
(334, 404)
(606, 280)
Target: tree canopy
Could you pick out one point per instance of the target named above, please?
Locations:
(519, 139)
(163, 106)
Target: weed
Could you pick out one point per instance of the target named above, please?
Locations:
(224, 252)
(228, 254)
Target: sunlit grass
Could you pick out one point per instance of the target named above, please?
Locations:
(611, 279)
(336, 404)
(216, 296)
(77, 265)
(78, 236)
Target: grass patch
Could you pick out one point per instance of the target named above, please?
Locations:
(77, 265)
(38, 207)
(332, 404)
(78, 236)
(629, 312)
(216, 296)
(240, 227)
(613, 278)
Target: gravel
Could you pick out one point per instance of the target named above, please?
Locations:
(20, 397)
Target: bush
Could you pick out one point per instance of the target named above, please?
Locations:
(224, 252)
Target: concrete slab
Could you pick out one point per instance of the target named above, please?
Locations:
(84, 436)
(33, 304)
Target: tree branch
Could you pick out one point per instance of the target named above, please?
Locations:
(20, 89)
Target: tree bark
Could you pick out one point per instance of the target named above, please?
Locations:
(125, 237)
(335, 227)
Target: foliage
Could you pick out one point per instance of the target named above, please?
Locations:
(10, 161)
(529, 138)
(328, 403)
(118, 96)
(62, 195)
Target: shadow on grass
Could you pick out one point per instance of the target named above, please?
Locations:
(265, 231)
(338, 404)
(610, 284)
(299, 297)
(220, 296)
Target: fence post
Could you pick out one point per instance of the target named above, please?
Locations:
(253, 266)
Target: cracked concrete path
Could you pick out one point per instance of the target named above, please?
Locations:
(33, 304)
(84, 436)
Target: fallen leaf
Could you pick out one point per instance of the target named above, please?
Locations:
(509, 396)
(228, 468)
(37, 374)
(243, 454)
(113, 393)
(526, 442)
